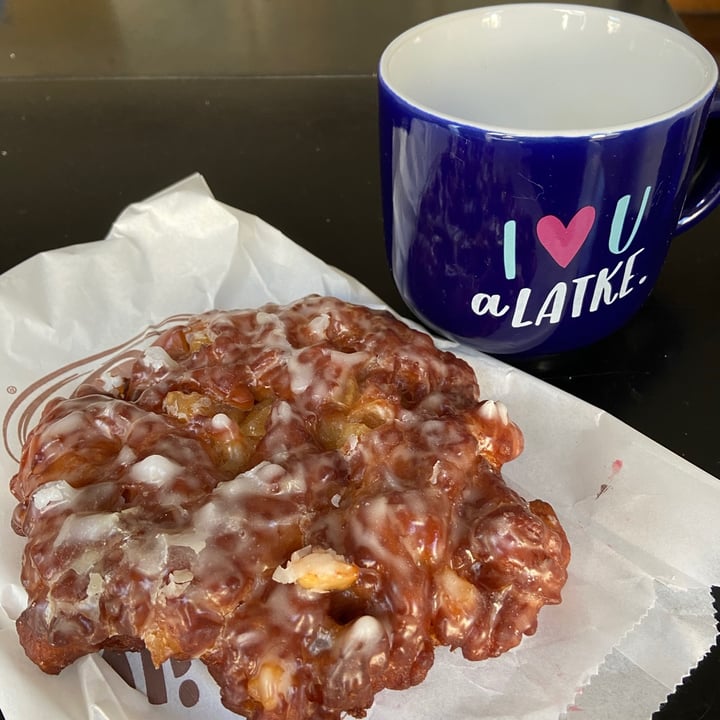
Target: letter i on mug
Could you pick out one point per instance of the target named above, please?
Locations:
(537, 161)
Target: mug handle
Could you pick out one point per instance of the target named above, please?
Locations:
(704, 193)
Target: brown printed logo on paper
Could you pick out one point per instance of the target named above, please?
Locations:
(156, 687)
(28, 404)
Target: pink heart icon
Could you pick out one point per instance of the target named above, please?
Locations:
(563, 242)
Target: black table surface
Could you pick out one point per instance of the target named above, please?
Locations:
(274, 101)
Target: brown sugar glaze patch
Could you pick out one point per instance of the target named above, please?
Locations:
(307, 498)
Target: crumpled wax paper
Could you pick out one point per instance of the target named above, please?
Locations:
(637, 612)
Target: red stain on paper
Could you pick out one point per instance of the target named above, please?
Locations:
(615, 469)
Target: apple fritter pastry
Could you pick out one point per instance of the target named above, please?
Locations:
(307, 498)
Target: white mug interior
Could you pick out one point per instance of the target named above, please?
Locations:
(548, 68)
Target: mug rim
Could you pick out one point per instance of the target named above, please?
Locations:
(432, 114)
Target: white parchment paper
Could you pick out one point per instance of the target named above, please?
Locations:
(637, 613)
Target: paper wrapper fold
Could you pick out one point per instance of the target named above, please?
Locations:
(637, 613)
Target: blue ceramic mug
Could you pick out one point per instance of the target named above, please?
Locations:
(537, 160)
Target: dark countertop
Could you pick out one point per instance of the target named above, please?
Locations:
(274, 102)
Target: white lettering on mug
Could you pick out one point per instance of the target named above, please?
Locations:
(581, 284)
(522, 301)
(625, 287)
(603, 289)
(553, 305)
(482, 304)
